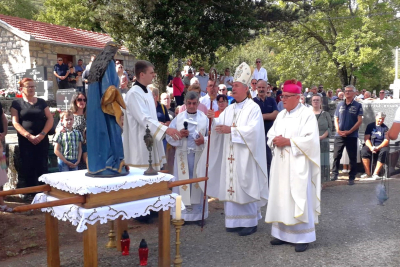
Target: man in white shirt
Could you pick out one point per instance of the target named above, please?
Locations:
(253, 89)
(260, 72)
(203, 79)
(212, 90)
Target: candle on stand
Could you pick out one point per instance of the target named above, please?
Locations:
(178, 208)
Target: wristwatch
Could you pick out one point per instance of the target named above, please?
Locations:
(43, 133)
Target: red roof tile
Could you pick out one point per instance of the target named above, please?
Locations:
(59, 34)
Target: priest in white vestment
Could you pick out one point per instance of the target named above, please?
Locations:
(141, 112)
(295, 182)
(212, 90)
(193, 126)
(238, 165)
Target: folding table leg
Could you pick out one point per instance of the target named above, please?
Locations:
(53, 246)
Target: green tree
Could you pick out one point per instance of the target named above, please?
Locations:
(351, 36)
(159, 29)
(71, 13)
(18, 8)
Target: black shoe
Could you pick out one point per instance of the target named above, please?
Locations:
(248, 231)
(351, 182)
(277, 242)
(301, 247)
(232, 230)
(334, 177)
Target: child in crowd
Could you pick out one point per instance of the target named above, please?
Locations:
(68, 146)
(79, 83)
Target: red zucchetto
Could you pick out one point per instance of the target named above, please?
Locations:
(292, 86)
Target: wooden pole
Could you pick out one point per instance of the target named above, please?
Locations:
(27, 190)
(213, 76)
(189, 181)
(61, 202)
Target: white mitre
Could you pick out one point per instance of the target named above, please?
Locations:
(243, 74)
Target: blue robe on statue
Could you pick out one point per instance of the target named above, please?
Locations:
(103, 134)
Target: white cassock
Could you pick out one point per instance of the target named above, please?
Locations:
(295, 183)
(238, 164)
(187, 155)
(205, 100)
(140, 112)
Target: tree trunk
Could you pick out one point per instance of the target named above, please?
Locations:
(160, 62)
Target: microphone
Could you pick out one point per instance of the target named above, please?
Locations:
(185, 124)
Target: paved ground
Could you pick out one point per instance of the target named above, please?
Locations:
(353, 231)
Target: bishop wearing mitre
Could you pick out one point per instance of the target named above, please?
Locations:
(295, 183)
(237, 159)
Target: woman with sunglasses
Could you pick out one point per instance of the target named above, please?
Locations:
(32, 119)
(78, 107)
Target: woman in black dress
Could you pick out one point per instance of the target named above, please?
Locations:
(32, 119)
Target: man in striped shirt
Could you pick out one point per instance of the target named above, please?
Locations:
(69, 144)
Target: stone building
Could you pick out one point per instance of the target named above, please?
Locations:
(26, 43)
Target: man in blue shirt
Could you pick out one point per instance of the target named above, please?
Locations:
(376, 143)
(61, 71)
(80, 66)
(269, 112)
(348, 118)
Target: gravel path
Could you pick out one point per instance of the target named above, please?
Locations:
(353, 231)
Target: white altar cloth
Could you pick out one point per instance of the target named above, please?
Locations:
(77, 183)
(79, 216)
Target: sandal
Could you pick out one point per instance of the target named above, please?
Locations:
(4, 208)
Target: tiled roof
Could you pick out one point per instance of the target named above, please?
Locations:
(42, 31)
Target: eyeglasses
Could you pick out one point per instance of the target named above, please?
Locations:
(258, 61)
(253, 83)
(32, 87)
(201, 69)
(81, 99)
(381, 92)
(286, 96)
(268, 92)
(222, 89)
(60, 60)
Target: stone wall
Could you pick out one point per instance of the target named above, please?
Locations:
(45, 54)
(14, 57)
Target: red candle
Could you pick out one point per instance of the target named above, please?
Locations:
(143, 253)
(125, 243)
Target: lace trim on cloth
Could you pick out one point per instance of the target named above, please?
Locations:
(296, 232)
(77, 183)
(80, 217)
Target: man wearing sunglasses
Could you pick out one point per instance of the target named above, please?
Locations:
(203, 79)
(253, 88)
(269, 112)
(61, 71)
(260, 72)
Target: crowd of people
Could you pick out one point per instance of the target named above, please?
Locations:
(267, 143)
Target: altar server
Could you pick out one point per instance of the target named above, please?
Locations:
(295, 183)
(140, 113)
(238, 164)
(193, 126)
